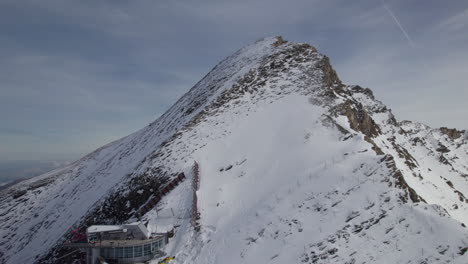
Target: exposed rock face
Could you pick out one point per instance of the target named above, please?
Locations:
(366, 91)
(279, 41)
(452, 133)
(442, 148)
(400, 181)
(359, 119)
(330, 78)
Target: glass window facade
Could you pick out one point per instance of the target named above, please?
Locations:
(138, 251)
(119, 252)
(132, 251)
(128, 252)
(146, 249)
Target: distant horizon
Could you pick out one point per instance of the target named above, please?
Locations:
(11, 171)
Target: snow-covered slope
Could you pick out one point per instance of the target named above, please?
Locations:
(295, 167)
(303, 195)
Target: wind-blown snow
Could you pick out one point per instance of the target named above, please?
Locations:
(295, 188)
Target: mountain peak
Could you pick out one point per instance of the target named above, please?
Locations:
(295, 166)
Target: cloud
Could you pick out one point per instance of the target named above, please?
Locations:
(457, 22)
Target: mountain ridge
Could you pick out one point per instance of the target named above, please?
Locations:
(243, 91)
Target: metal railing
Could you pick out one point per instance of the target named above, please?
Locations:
(195, 186)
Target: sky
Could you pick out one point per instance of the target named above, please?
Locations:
(75, 75)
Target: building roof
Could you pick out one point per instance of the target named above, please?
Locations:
(109, 228)
(103, 228)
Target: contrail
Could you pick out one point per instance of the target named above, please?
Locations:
(398, 23)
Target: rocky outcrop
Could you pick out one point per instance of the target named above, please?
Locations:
(359, 119)
(452, 133)
(330, 78)
(366, 91)
(279, 41)
(400, 181)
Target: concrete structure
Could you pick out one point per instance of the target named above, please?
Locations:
(135, 231)
(130, 243)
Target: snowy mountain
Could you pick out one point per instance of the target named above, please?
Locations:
(294, 167)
